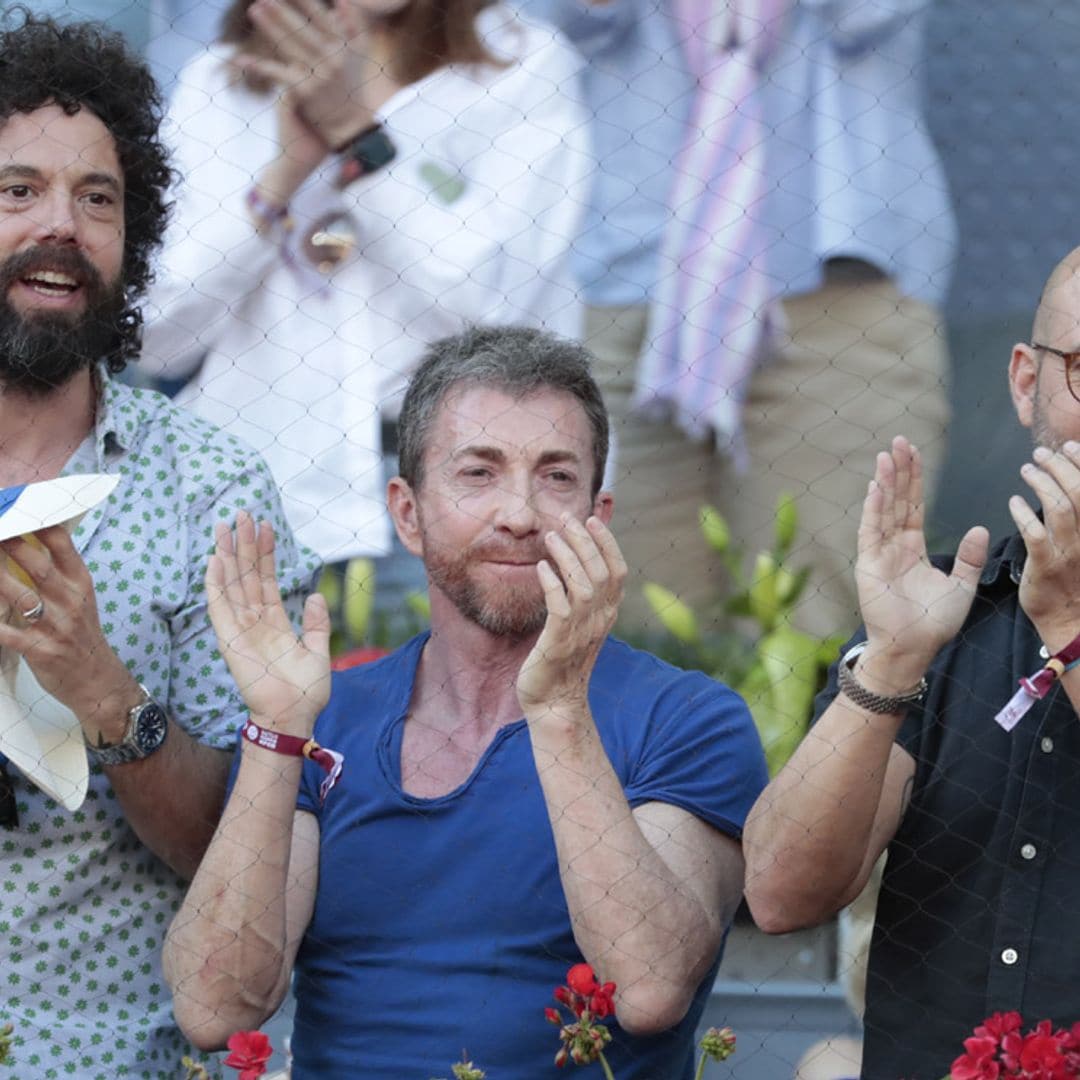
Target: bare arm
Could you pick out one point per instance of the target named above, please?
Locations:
(173, 798)
(650, 890)
(817, 829)
(230, 950)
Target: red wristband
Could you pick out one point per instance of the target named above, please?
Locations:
(330, 761)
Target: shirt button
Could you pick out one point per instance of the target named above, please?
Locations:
(1009, 956)
(1028, 851)
(1047, 744)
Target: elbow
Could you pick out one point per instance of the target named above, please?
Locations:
(780, 908)
(208, 1004)
(652, 1007)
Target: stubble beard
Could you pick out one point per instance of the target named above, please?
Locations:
(1042, 434)
(40, 350)
(500, 608)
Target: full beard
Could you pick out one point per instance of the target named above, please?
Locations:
(500, 608)
(41, 350)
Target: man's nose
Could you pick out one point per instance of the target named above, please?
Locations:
(516, 511)
(54, 217)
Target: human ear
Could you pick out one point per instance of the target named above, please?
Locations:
(1024, 382)
(604, 506)
(401, 501)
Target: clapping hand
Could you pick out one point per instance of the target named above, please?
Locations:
(582, 604)
(285, 680)
(1050, 587)
(322, 66)
(910, 608)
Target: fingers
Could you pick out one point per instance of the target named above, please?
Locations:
(275, 71)
(317, 625)
(588, 559)
(1055, 480)
(295, 37)
(971, 557)
(1036, 539)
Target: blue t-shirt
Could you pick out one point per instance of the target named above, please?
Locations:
(440, 925)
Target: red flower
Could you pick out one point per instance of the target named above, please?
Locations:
(251, 1050)
(999, 1025)
(602, 1001)
(979, 1063)
(581, 979)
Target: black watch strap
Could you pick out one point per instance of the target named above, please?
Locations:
(368, 152)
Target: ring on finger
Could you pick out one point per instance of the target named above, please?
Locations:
(35, 613)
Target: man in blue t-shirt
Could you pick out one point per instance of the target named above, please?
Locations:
(519, 793)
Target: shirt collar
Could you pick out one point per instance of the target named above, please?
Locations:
(1008, 556)
(114, 428)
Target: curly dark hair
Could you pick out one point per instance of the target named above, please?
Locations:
(81, 65)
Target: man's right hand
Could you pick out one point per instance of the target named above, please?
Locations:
(910, 609)
(285, 680)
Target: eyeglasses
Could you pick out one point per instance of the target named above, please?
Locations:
(9, 811)
(1072, 375)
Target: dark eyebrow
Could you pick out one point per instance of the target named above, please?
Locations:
(495, 455)
(93, 179)
(485, 453)
(559, 457)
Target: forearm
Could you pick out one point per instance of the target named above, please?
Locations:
(173, 799)
(226, 952)
(634, 920)
(808, 838)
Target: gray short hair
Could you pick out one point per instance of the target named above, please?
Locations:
(514, 359)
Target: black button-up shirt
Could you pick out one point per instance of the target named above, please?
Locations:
(980, 905)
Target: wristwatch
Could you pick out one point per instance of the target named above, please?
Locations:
(146, 730)
(851, 688)
(368, 152)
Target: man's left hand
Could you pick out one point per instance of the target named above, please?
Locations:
(64, 645)
(1049, 593)
(582, 604)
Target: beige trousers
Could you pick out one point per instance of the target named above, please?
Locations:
(856, 364)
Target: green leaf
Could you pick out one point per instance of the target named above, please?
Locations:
(789, 661)
(790, 586)
(359, 597)
(764, 602)
(715, 529)
(675, 616)
(787, 522)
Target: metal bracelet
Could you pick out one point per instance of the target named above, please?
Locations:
(852, 689)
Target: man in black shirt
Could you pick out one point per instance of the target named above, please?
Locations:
(981, 819)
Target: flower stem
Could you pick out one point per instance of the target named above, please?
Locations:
(701, 1067)
(608, 1074)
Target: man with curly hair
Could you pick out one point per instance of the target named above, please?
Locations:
(111, 619)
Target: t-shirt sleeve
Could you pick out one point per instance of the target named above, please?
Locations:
(701, 753)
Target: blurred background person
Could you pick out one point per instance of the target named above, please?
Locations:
(796, 321)
(358, 181)
(862, 248)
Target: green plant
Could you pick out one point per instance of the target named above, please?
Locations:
(349, 591)
(748, 641)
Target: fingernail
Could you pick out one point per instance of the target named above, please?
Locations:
(1040, 453)
(1071, 447)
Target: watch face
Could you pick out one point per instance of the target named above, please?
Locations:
(150, 728)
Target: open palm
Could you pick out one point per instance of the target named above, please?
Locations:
(285, 679)
(906, 602)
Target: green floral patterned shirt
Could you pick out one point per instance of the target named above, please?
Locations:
(84, 906)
